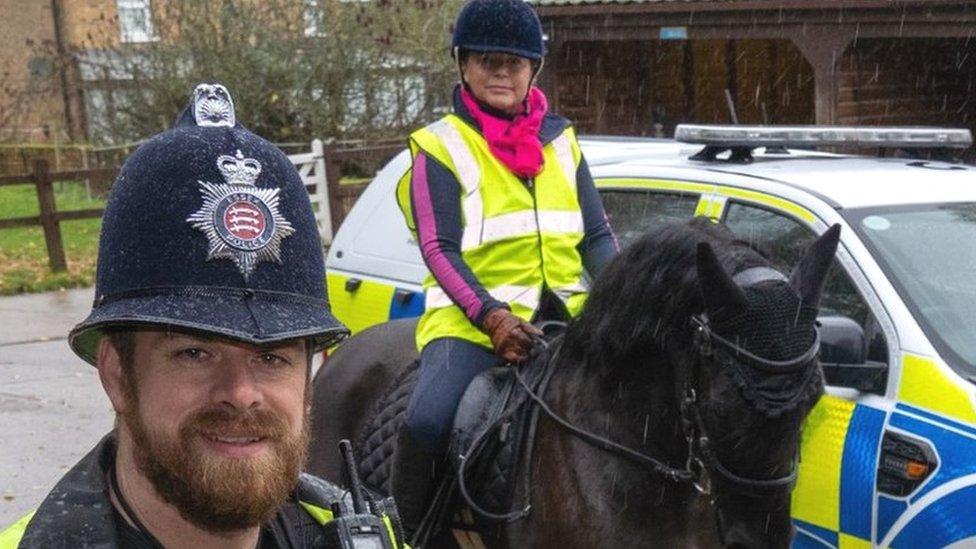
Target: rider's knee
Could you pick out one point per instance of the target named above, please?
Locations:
(427, 427)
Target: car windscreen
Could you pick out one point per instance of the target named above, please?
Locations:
(929, 254)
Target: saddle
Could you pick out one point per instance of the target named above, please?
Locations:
(492, 436)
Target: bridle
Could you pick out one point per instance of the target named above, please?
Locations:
(708, 345)
(702, 462)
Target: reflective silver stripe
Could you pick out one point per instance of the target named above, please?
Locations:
(567, 292)
(507, 226)
(524, 223)
(526, 296)
(564, 155)
(755, 275)
(469, 175)
(556, 221)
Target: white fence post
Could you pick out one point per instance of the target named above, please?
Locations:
(311, 166)
(322, 189)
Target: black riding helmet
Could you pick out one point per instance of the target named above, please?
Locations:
(508, 26)
(498, 26)
(209, 228)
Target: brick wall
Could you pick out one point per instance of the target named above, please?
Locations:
(30, 106)
(32, 103)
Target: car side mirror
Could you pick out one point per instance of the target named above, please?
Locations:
(843, 356)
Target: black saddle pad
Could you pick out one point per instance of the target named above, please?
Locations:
(377, 441)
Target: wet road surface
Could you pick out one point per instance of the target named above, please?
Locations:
(52, 407)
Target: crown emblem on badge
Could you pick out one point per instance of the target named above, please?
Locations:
(238, 170)
(241, 221)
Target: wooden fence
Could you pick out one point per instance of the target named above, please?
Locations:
(340, 160)
(321, 171)
(50, 218)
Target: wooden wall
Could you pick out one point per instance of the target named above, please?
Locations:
(647, 87)
(908, 81)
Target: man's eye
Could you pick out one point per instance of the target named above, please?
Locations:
(192, 353)
(273, 360)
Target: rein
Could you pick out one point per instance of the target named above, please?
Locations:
(702, 463)
(701, 456)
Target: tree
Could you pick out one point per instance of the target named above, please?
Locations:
(297, 69)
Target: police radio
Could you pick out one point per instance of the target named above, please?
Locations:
(362, 528)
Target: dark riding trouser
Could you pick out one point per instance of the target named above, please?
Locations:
(447, 366)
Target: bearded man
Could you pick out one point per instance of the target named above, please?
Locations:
(210, 304)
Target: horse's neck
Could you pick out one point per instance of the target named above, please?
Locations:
(612, 503)
(631, 404)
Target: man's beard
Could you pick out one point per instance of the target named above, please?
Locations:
(215, 493)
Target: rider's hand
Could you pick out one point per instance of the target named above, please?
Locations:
(510, 335)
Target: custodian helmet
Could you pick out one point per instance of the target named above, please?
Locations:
(209, 227)
(509, 26)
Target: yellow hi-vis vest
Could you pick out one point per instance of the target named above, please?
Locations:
(517, 238)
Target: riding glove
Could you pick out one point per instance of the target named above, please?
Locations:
(510, 336)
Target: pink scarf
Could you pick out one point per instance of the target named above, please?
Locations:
(514, 142)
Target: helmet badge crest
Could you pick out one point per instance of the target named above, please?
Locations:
(241, 221)
(213, 106)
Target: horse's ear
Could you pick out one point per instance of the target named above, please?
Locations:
(723, 297)
(810, 273)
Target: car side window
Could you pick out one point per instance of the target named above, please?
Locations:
(633, 212)
(784, 239)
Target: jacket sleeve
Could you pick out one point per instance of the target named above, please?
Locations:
(599, 245)
(434, 193)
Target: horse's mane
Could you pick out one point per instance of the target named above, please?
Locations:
(642, 301)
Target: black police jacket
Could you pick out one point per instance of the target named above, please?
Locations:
(78, 512)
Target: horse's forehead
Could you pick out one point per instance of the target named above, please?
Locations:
(773, 302)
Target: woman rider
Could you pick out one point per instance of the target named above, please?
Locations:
(507, 217)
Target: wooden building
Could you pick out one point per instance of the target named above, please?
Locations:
(639, 67)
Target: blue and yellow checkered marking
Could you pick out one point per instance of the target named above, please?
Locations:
(859, 469)
(838, 464)
(371, 302)
(938, 514)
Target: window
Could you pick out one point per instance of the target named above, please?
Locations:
(635, 212)
(785, 240)
(313, 18)
(135, 20)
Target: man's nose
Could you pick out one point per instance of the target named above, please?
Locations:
(237, 386)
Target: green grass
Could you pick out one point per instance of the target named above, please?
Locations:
(349, 180)
(23, 254)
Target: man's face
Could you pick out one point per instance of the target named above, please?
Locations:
(220, 428)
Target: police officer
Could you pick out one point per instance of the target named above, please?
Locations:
(210, 303)
(507, 218)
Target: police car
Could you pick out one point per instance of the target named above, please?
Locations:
(889, 453)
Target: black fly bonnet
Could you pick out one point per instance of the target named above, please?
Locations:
(785, 376)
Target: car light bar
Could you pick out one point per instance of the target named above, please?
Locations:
(808, 136)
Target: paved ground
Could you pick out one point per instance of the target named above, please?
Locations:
(52, 408)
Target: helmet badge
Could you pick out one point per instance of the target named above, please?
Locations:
(241, 221)
(213, 106)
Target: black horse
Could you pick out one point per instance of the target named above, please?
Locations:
(675, 404)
